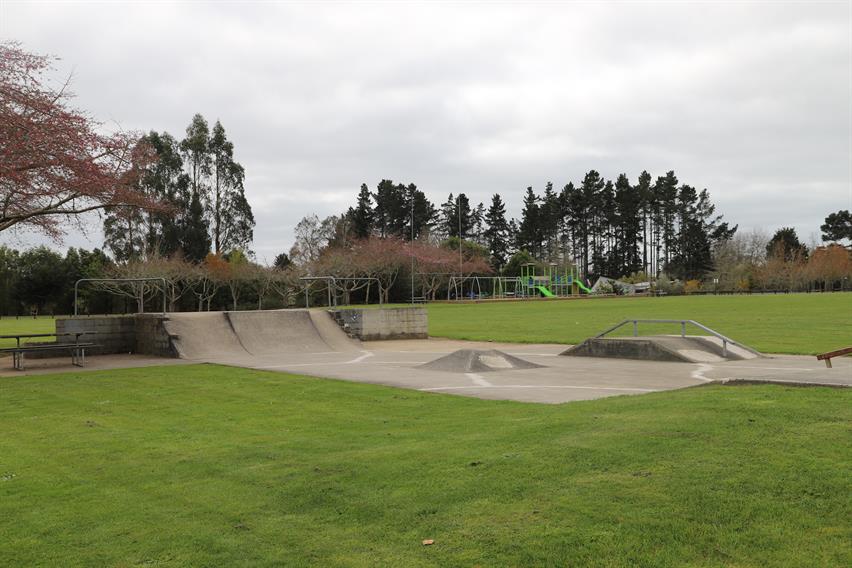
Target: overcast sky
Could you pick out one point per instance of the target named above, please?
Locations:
(750, 100)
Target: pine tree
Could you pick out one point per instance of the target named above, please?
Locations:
(629, 220)
(698, 230)
(645, 197)
(457, 218)
(386, 207)
(549, 214)
(667, 191)
(424, 212)
(585, 208)
(564, 228)
(363, 217)
(529, 230)
(785, 244)
(837, 226)
(606, 252)
(497, 232)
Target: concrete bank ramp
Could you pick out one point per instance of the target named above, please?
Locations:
(203, 335)
(477, 361)
(221, 335)
(675, 348)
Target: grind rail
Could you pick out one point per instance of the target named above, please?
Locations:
(683, 323)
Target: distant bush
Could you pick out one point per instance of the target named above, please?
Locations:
(692, 286)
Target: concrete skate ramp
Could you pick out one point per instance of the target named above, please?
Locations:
(225, 335)
(477, 361)
(274, 332)
(675, 348)
(332, 333)
(203, 335)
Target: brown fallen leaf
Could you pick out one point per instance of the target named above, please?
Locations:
(428, 542)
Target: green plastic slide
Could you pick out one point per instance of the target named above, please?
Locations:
(544, 291)
(583, 287)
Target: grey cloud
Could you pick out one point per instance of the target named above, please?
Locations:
(750, 100)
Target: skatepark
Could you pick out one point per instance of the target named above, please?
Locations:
(314, 343)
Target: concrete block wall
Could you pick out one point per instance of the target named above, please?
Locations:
(369, 324)
(134, 333)
(115, 334)
(151, 336)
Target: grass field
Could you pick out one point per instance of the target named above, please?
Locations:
(12, 326)
(784, 323)
(216, 466)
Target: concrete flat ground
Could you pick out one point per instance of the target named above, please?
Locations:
(561, 379)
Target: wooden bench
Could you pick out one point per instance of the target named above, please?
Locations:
(77, 349)
(828, 356)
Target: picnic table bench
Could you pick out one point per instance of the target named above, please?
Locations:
(77, 348)
(827, 356)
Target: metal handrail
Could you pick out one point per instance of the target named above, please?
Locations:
(683, 324)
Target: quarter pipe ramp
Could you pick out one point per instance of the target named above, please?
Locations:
(224, 335)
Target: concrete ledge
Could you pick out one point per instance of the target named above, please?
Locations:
(640, 349)
(373, 324)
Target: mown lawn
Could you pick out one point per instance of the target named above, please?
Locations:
(216, 466)
(784, 323)
(13, 326)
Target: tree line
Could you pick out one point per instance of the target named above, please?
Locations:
(600, 226)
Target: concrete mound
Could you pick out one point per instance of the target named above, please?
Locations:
(674, 348)
(222, 335)
(477, 361)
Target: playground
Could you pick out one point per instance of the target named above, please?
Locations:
(549, 281)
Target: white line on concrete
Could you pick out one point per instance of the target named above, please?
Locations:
(698, 374)
(542, 387)
(316, 364)
(365, 355)
(478, 380)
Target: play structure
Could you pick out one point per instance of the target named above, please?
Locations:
(552, 282)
